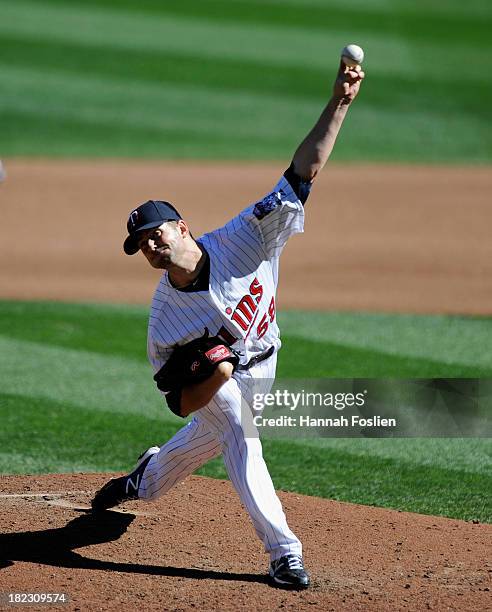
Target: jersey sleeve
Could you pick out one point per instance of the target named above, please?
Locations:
(302, 187)
(276, 217)
(158, 356)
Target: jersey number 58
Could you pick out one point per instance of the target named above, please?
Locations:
(267, 318)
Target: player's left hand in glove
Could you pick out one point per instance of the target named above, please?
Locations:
(193, 363)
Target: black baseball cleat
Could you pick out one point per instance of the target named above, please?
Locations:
(288, 572)
(119, 490)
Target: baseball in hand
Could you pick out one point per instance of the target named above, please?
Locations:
(352, 55)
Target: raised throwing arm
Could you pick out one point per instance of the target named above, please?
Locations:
(314, 151)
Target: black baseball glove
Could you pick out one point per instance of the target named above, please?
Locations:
(194, 362)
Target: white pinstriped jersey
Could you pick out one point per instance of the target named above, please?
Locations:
(240, 303)
(244, 258)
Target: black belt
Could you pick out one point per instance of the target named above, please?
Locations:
(256, 359)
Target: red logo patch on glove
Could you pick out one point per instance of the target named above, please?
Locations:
(218, 353)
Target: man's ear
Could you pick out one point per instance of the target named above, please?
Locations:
(183, 228)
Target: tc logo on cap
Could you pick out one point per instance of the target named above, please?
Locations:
(132, 220)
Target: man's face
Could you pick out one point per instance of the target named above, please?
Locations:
(163, 245)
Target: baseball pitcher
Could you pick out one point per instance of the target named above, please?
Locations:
(213, 329)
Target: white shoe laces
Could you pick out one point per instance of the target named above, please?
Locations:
(294, 562)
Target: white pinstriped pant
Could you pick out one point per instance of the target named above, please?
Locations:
(219, 427)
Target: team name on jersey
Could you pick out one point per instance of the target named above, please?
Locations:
(247, 310)
(247, 307)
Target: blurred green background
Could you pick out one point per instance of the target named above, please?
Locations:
(77, 395)
(228, 78)
(241, 79)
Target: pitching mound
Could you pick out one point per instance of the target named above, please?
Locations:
(196, 549)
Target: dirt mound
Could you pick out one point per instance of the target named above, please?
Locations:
(196, 549)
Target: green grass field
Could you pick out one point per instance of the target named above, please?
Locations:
(243, 79)
(77, 395)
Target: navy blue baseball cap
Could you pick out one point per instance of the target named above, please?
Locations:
(150, 214)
